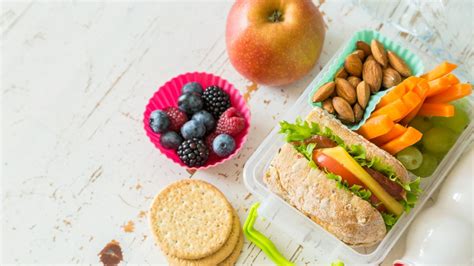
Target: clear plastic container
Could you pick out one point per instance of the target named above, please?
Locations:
(302, 229)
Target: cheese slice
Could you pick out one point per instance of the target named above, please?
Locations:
(344, 158)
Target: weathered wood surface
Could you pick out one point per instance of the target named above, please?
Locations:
(77, 165)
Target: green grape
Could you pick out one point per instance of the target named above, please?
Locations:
(421, 123)
(410, 157)
(427, 167)
(457, 123)
(439, 156)
(438, 139)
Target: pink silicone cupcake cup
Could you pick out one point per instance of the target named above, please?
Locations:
(168, 94)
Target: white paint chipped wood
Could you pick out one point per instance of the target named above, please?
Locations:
(76, 164)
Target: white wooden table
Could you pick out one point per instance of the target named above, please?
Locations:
(77, 165)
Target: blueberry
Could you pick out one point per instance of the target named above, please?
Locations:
(223, 145)
(159, 121)
(192, 87)
(171, 140)
(190, 103)
(193, 129)
(206, 118)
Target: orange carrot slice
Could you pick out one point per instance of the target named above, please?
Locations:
(395, 93)
(421, 89)
(408, 138)
(455, 92)
(396, 131)
(438, 85)
(439, 71)
(411, 101)
(410, 82)
(436, 109)
(395, 110)
(376, 126)
(452, 79)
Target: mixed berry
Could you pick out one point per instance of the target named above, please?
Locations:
(204, 124)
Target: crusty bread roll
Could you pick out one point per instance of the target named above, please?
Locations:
(350, 218)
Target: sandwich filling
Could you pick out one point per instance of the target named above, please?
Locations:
(371, 180)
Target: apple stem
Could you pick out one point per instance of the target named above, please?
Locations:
(276, 16)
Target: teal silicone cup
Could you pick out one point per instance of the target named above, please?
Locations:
(413, 61)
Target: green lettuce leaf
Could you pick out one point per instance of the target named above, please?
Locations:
(356, 189)
(306, 150)
(412, 194)
(359, 154)
(389, 219)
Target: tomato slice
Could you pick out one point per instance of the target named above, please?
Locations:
(331, 165)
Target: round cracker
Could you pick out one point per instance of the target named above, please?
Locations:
(217, 257)
(234, 256)
(191, 219)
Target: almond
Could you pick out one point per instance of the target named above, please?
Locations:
(361, 45)
(398, 64)
(390, 78)
(327, 105)
(353, 65)
(360, 54)
(363, 94)
(343, 109)
(372, 75)
(345, 90)
(370, 57)
(354, 81)
(379, 53)
(341, 73)
(324, 92)
(358, 112)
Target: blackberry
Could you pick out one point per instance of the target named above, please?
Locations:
(193, 152)
(216, 101)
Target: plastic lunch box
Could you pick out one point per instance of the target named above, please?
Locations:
(303, 230)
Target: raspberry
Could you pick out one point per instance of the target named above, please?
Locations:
(177, 118)
(230, 122)
(210, 139)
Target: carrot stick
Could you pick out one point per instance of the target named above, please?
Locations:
(376, 126)
(436, 109)
(410, 83)
(438, 85)
(453, 93)
(408, 138)
(421, 89)
(452, 79)
(395, 110)
(396, 131)
(395, 93)
(411, 101)
(439, 71)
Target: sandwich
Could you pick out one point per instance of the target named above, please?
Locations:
(341, 181)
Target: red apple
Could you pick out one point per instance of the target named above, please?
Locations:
(274, 42)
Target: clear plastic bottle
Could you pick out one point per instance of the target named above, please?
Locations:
(444, 27)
